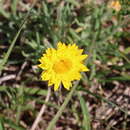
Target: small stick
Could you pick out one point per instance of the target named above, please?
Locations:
(38, 119)
(7, 77)
(21, 70)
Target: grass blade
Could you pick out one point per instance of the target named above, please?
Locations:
(10, 123)
(103, 99)
(85, 113)
(14, 41)
(1, 125)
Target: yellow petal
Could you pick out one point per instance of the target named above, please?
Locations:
(67, 84)
(45, 76)
(83, 57)
(50, 83)
(83, 68)
(56, 85)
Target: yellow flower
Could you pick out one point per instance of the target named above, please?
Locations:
(115, 4)
(62, 65)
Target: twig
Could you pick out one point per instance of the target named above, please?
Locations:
(7, 77)
(38, 119)
(21, 70)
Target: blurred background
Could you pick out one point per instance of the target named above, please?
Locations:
(100, 27)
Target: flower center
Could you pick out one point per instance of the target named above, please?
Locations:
(62, 66)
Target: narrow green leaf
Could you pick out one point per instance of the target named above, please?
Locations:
(86, 117)
(74, 35)
(14, 6)
(118, 78)
(4, 13)
(127, 50)
(1, 125)
(29, 91)
(5, 59)
(10, 123)
(103, 99)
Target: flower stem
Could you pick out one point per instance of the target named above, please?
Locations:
(58, 114)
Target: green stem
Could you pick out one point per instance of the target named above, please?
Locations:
(58, 114)
(19, 109)
(19, 103)
(124, 56)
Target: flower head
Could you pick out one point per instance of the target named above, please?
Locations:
(115, 4)
(62, 65)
